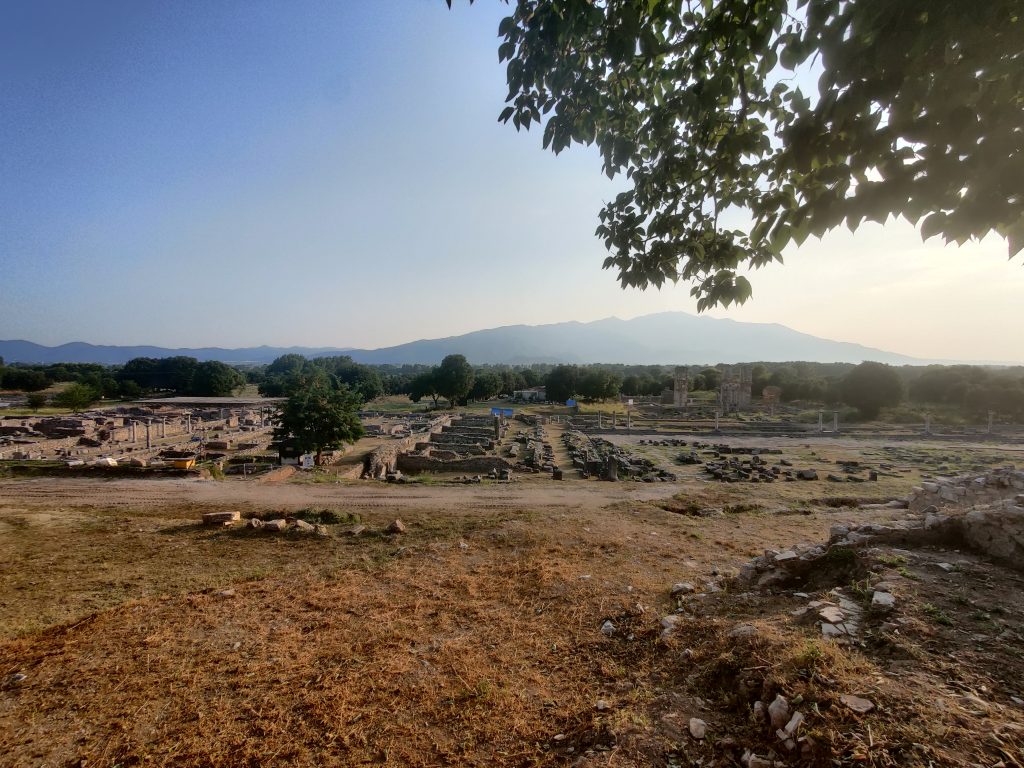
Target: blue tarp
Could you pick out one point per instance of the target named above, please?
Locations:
(570, 403)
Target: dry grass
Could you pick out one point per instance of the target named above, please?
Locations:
(471, 640)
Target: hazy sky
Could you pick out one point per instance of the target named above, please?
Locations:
(332, 173)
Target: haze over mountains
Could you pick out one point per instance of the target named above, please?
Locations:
(664, 338)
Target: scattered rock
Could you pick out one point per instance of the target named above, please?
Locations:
(255, 523)
(396, 526)
(794, 724)
(759, 712)
(883, 602)
(226, 593)
(15, 678)
(607, 628)
(778, 712)
(303, 527)
(856, 703)
(743, 631)
(698, 728)
(275, 525)
(682, 588)
(355, 530)
(221, 518)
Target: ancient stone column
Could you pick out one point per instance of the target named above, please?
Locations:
(611, 469)
(821, 421)
(835, 421)
(149, 440)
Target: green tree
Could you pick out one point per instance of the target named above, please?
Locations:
(35, 400)
(562, 383)
(319, 418)
(24, 379)
(486, 384)
(597, 384)
(76, 396)
(918, 113)
(871, 386)
(454, 379)
(215, 379)
(424, 385)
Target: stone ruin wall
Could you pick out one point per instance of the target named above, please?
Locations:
(411, 462)
(454, 445)
(969, 490)
(384, 459)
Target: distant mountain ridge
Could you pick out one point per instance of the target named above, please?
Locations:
(665, 338)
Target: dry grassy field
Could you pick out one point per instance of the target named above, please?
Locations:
(132, 635)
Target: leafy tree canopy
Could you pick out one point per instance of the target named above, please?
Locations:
(870, 386)
(454, 379)
(918, 112)
(424, 385)
(76, 396)
(318, 418)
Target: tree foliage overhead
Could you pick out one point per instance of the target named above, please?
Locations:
(918, 112)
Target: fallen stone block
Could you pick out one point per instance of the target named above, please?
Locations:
(221, 518)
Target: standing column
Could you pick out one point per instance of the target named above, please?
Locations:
(188, 422)
(821, 421)
(927, 423)
(163, 427)
(599, 421)
(132, 425)
(718, 414)
(988, 430)
(835, 421)
(149, 441)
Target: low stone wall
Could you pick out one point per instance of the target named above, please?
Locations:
(461, 439)
(968, 490)
(383, 459)
(412, 463)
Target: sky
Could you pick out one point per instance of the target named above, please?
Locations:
(333, 174)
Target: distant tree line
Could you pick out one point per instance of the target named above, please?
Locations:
(966, 390)
(137, 377)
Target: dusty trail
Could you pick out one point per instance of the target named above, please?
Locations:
(530, 493)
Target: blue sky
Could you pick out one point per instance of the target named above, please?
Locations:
(332, 173)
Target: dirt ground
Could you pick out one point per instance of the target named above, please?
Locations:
(131, 635)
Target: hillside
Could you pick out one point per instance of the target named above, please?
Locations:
(665, 338)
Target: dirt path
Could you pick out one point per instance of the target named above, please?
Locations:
(534, 492)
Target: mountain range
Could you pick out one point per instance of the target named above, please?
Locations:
(663, 338)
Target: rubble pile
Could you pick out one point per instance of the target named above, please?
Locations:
(597, 457)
